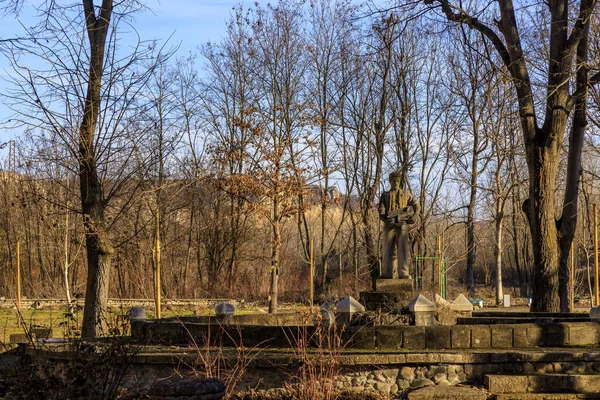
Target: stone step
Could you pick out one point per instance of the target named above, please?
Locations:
(447, 393)
(543, 383)
(547, 396)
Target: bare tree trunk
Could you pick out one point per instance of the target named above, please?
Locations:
(498, 253)
(66, 250)
(99, 250)
(568, 221)
(542, 223)
(275, 259)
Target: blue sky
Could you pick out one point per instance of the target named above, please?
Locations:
(189, 23)
(192, 22)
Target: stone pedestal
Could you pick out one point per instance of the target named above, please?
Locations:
(390, 295)
(402, 288)
(346, 309)
(422, 311)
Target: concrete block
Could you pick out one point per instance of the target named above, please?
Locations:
(584, 334)
(528, 335)
(389, 337)
(595, 314)
(502, 336)
(413, 337)
(224, 309)
(401, 288)
(462, 304)
(559, 383)
(18, 338)
(506, 383)
(437, 337)
(346, 309)
(447, 392)
(557, 335)
(420, 303)
(363, 338)
(423, 318)
(481, 336)
(460, 337)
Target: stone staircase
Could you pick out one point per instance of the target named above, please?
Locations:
(547, 386)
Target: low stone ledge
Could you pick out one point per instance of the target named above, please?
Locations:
(434, 392)
(496, 336)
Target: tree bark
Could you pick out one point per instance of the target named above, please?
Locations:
(275, 259)
(540, 209)
(498, 253)
(567, 45)
(99, 250)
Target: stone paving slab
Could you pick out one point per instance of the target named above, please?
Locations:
(448, 392)
(543, 383)
(547, 396)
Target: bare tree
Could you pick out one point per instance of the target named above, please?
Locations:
(567, 33)
(329, 28)
(83, 98)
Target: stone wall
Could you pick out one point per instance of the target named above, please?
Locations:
(496, 336)
(376, 371)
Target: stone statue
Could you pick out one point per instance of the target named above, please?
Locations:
(398, 209)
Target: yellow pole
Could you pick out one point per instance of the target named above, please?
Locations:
(439, 263)
(311, 272)
(19, 276)
(597, 297)
(157, 261)
(572, 277)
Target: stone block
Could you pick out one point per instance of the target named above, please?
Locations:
(363, 338)
(374, 301)
(498, 384)
(446, 392)
(401, 288)
(502, 336)
(346, 309)
(437, 337)
(136, 313)
(421, 382)
(413, 337)
(595, 314)
(557, 335)
(41, 332)
(422, 311)
(528, 335)
(224, 309)
(19, 338)
(557, 383)
(480, 336)
(420, 303)
(584, 334)
(389, 337)
(423, 318)
(407, 373)
(460, 337)
(461, 303)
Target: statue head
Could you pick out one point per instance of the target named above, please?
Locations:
(395, 180)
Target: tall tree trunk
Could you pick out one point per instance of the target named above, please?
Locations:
(99, 250)
(275, 259)
(498, 252)
(568, 221)
(540, 209)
